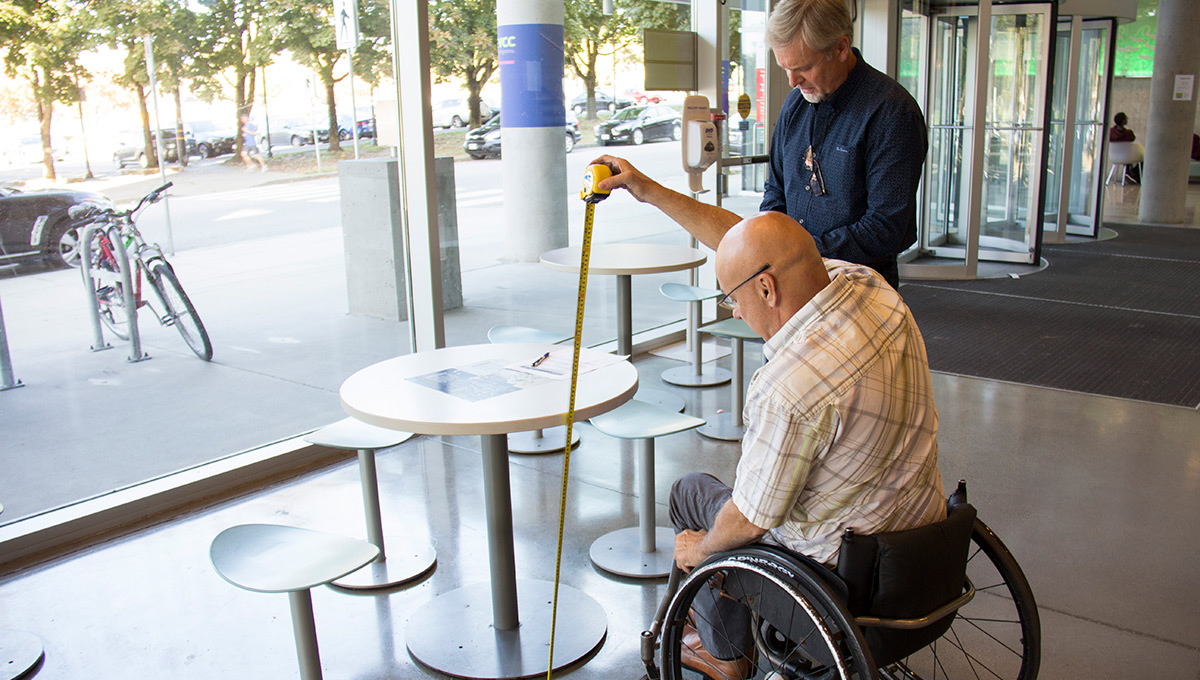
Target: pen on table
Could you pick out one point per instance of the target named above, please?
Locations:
(538, 362)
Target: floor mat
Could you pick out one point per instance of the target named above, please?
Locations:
(1118, 318)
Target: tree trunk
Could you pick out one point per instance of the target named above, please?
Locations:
(45, 107)
(335, 140)
(180, 141)
(151, 149)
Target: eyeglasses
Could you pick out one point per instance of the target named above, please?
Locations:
(727, 302)
(816, 182)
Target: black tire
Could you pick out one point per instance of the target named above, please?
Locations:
(677, 132)
(570, 145)
(996, 635)
(344, 135)
(579, 109)
(204, 150)
(63, 247)
(177, 308)
(117, 163)
(110, 293)
(781, 597)
(638, 136)
(297, 140)
(143, 161)
(456, 122)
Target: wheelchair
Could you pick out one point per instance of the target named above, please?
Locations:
(945, 600)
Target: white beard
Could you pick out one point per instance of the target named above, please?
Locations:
(813, 98)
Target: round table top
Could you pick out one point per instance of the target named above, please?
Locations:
(384, 395)
(626, 258)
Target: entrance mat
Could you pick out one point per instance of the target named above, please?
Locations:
(1120, 321)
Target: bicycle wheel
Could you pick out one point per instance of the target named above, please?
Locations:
(996, 635)
(109, 292)
(177, 308)
(798, 628)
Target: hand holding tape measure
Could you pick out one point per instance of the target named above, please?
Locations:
(591, 195)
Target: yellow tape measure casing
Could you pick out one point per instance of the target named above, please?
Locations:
(594, 175)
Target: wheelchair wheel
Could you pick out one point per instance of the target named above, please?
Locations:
(795, 625)
(996, 635)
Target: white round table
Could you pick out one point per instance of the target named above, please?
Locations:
(623, 260)
(453, 632)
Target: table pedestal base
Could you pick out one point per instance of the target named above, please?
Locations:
(454, 633)
(406, 561)
(686, 376)
(723, 426)
(549, 440)
(19, 653)
(620, 552)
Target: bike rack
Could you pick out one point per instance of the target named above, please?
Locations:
(125, 277)
(7, 381)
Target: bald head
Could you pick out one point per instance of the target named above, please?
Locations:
(796, 272)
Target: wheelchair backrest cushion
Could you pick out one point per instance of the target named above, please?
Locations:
(907, 574)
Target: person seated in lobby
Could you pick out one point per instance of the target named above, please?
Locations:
(841, 427)
(1119, 133)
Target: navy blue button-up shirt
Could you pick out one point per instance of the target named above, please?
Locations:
(869, 140)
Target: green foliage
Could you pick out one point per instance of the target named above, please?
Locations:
(590, 33)
(462, 37)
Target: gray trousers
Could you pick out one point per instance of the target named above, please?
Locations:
(723, 623)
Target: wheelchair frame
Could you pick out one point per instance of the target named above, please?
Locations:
(799, 598)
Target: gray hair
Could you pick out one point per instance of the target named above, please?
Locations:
(819, 24)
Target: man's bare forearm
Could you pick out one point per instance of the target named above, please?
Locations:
(730, 530)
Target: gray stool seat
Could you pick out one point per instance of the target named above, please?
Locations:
(498, 335)
(548, 440)
(644, 551)
(729, 426)
(20, 653)
(696, 374)
(409, 558)
(269, 558)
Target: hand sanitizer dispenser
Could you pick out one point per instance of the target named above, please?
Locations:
(700, 148)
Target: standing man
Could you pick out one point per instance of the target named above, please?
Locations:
(845, 156)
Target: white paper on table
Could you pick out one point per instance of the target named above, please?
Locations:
(558, 364)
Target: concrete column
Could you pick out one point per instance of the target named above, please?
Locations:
(533, 125)
(1169, 128)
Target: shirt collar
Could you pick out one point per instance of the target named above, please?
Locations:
(842, 95)
(825, 299)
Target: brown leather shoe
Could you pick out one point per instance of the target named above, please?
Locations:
(694, 656)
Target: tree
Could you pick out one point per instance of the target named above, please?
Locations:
(306, 28)
(232, 46)
(589, 31)
(462, 37)
(41, 41)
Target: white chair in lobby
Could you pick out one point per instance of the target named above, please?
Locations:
(696, 374)
(269, 558)
(1124, 154)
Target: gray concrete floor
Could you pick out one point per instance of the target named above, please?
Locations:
(1097, 497)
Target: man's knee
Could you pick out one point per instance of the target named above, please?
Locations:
(695, 498)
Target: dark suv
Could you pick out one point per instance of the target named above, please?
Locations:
(484, 141)
(208, 139)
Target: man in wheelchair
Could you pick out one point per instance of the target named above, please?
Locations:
(841, 428)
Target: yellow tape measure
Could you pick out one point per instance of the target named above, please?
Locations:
(591, 194)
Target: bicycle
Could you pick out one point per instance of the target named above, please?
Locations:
(148, 261)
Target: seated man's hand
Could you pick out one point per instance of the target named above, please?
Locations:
(688, 552)
(625, 176)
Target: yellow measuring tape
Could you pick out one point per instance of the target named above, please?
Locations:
(591, 194)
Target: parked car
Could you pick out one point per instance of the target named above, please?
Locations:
(208, 139)
(638, 124)
(294, 131)
(131, 148)
(35, 225)
(643, 97)
(455, 113)
(484, 141)
(604, 102)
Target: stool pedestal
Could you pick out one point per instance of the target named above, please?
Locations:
(729, 426)
(20, 652)
(644, 551)
(409, 558)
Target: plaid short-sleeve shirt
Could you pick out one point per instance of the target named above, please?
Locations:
(841, 429)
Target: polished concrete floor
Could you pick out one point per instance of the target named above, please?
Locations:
(1097, 497)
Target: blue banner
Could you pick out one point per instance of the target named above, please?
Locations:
(531, 75)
